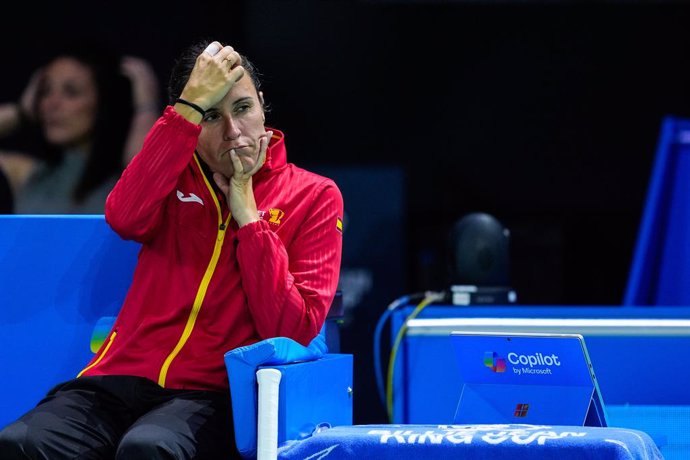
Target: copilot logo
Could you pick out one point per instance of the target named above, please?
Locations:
(537, 363)
(494, 362)
(536, 359)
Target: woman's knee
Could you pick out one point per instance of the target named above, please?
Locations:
(14, 443)
(149, 442)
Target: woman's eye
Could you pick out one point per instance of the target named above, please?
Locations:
(71, 91)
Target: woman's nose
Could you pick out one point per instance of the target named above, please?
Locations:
(232, 131)
(50, 101)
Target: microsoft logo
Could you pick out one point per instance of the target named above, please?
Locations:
(494, 362)
(521, 410)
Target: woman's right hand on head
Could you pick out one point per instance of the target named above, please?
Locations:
(213, 76)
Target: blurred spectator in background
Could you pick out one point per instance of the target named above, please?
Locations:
(81, 118)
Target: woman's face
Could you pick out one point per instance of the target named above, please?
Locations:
(67, 103)
(236, 122)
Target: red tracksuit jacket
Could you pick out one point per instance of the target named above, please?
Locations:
(202, 286)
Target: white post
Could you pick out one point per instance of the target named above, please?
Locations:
(267, 426)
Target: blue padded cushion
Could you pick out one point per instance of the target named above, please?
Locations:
(242, 364)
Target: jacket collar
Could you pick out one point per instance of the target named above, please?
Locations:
(276, 156)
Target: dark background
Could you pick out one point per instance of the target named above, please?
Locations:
(545, 115)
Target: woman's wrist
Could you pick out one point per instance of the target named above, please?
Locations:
(187, 112)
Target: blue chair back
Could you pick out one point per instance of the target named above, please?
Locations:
(59, 275)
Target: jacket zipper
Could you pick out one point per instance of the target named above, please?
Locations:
(203, 287)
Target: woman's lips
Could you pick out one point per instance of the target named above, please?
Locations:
(237, 149)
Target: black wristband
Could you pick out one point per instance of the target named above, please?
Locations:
(192, 105)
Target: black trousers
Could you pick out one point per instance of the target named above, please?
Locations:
(123, 418)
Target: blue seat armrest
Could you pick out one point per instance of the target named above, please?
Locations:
(242, 364)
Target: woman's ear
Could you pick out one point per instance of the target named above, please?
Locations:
(263, 106)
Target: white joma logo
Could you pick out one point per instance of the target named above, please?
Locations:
(188, 199)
